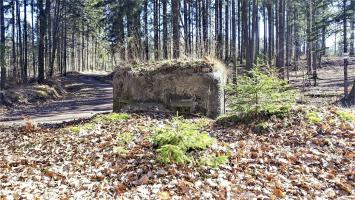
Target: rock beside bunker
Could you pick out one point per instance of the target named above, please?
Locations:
(186, 87)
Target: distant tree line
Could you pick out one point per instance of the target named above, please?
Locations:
(40, 38)
(228, 29)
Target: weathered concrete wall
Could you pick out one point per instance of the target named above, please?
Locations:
(196, 89)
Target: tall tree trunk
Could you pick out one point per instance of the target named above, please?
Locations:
(25, 40)
(220, 31)
(42, 32)
(345, 40)
(245, 32)
(352, 29)
(234, 41)
(33, 39)
(14, 59)
(254, 35)
(65, 42)
(176, 30)
(165, 29)
(205, 25)
(146, 43)
(309, 38)
(2, 43)
(55, 38)
(226, 27)
(23, 70)
(156, 29)
(280, 60)
(265, 31)
(297, 37)
(186, 34)
(271, 32)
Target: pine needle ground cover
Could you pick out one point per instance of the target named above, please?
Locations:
(117, 156)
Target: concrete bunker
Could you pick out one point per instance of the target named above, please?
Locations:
(183, 86)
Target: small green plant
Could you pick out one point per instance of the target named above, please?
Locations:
(346, 116)
(106, 118)
(88, 126)
(262, 127)
(261, 93)
(172, 154)
(174, 140)
(124, 138)
(120, 150)
(75, 129)
(78, 128)
(313, 117)
(213, 160)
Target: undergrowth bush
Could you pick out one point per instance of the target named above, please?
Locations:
(261, 93)
(314, 117)
(174, 140)
(345, 116)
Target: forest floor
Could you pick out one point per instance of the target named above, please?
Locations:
(293, 158)
(86, 95)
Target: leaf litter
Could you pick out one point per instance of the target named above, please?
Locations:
(293, 159)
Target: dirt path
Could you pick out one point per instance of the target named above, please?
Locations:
(88, 96)
(330, 85)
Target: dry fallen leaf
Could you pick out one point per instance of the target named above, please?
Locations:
(120, 188)
(344, 186)
(164, 195)
(143, 180)
(279, 193)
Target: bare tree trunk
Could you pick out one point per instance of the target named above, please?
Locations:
(280, 60)
(309, 42)
(146, 43)
(2, 43)
(352, 29)
(25, 39)
(176, 29)
(156, 29)
(42, 32)
(346, 91)
(14, 59)
(245, 32)
(271, 32)
(33, 39)
(165, 29)
(23, 70)
(226, 46)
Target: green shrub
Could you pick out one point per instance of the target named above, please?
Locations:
(313, 117)
(261, 93)
(346, 116)
(177, 138)
(172, 154)
(213, 160)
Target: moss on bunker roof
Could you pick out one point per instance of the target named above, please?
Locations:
(193, 65)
